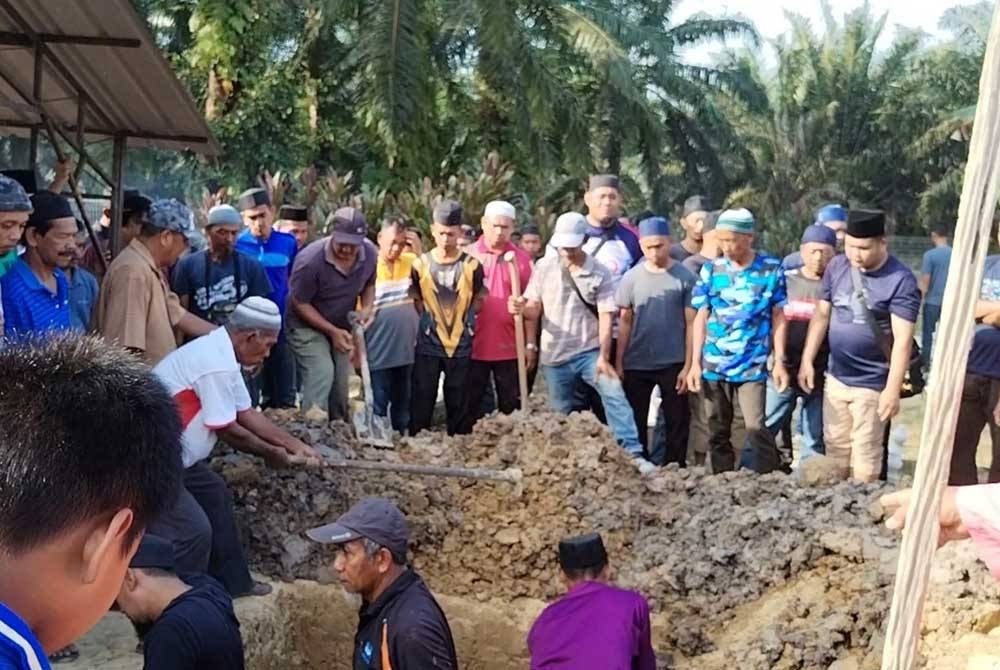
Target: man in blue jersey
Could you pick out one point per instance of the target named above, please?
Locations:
(78, 487)
(276, 251)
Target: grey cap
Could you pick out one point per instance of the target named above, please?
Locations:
(173, 215)
(696, 203)
(13, 197)
(224, 215)
(376, 519)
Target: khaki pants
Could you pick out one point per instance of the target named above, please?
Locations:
(852, 430)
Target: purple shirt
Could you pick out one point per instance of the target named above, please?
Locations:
(593, 627)
(317, 281)
(855, 356)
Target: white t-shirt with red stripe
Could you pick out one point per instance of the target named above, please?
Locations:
(206, 382)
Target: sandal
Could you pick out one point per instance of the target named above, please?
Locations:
(67, 654)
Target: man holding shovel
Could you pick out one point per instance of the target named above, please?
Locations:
(494, 349)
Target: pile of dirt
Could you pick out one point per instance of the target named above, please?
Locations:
(704, 549)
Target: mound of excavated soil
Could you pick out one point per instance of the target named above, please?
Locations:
(710, 552)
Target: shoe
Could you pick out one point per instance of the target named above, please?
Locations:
(258, 589)
(67, 654)
(645, 467)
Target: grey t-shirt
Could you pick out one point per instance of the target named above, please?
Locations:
(569, 328)
(658, 300)
(936, 262)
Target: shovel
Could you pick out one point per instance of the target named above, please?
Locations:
(370, 429)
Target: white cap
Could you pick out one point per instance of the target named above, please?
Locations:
(256, 313)
(570, 231)
(500, 208)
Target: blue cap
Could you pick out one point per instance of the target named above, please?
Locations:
(829, 213)
(819, 233)
(654, 225)
(172, 215)
(13, 197)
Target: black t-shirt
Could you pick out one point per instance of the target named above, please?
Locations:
(197, 631)
(679, 253)
(803, 296)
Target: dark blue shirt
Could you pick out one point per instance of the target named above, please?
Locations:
(29, 306)
(19, 648)
(856, 359)
(276, 255)
(219, 284)
(984, 358)
(83, 291)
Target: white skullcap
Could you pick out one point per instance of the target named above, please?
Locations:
(256, 313)
(500, 208)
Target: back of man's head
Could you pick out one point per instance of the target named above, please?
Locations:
(89, 456)
(941, 230)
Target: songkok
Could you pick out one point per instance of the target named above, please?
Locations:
(256, 313)
(293, 213)
(253, 197)
(224, 215)
(865, 223)
(500, 208)
(448, 213)
(604, 181)
(135, 202)
(13, 197)
(653, 226)
(696, 203)
(831, 213)
(820, 234)
(48, 207)
(582, 553)
(736, 220)
(154, 552)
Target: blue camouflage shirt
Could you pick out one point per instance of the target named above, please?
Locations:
(739, 303)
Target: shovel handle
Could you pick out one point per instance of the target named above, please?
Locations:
(511, 475)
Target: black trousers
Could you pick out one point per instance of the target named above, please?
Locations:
(203, 530)
(477, 380)
(639, 384)
(277, 378)
(426, 373)
(720, 399)
(979, 398)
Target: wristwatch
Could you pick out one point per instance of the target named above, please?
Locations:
(531, 346)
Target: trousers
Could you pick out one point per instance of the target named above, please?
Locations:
(853, 434)
(674, 409)
(979, 398)
(323, 371)
(427, 371)
(720, 400)
(203, 530)
(477, 382)
(391, 395)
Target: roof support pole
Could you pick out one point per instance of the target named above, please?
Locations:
(37, 93)
(117, 193)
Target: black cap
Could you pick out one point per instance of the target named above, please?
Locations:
(696, 203)
(531, 230)
(26, 178)
(376, 519)
(865, 223)
(585, 552)
(448, 213)
(293, 213)
(710, 221)
(49, 206)
(154, 552)
(604, 181)
(252, 197)
(348, 226)
(135, 202)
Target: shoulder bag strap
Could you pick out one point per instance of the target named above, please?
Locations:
(567, 277)
(884, 341)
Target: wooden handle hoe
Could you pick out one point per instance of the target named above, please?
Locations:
(522, 366)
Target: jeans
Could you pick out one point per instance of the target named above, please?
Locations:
(779, 407)
(932, 315)
(674, 411)
(203, 530)
(391, 394)
(562, 381)
(323, 371)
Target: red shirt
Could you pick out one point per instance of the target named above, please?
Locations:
(494, 333)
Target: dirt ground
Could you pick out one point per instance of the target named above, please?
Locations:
(741, 570)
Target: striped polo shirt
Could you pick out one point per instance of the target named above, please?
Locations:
(391, 339)
(19, 648)
(29, 306)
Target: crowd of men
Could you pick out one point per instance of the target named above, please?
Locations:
(726, 339)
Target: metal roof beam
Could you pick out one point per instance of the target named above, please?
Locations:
(8, 38)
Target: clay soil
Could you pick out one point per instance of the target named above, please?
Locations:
(741, 570)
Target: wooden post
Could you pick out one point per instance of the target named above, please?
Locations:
(522, 365)
(117, 194)
(971, 240)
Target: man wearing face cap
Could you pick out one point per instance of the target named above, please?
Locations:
(205, 379)
(594, 626)
(136, 307)
(400, 625)
(866, 373)
(15, 208)
(833, 217)
(694, 214)
(36, 291)
(186, 623)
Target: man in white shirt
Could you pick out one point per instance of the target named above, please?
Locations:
(205, 378)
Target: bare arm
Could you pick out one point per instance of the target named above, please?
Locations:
(246, 441)
(698, 334)
(924, 284)
(314, 319)
(689, 317)
(185, 301)
(817, 331)
(368, 297)
(605, 327)
(986, 307)
(194, 326)
(533, 311)
(625, 317)
(267, 431)
(902, 345)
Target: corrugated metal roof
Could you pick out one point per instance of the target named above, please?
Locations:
(134, 90)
